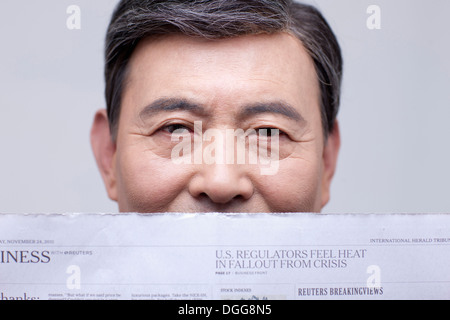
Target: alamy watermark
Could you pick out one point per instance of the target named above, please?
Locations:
(374, 280)
(373, 22)
(73, 21)
(73, 281)
(227, 146)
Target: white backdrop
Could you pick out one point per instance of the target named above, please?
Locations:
(394, 113)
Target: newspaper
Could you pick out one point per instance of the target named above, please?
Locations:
(224, 256)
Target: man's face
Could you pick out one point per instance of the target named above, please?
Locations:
(249, 82)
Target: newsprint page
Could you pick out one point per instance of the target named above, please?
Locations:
(219, 256)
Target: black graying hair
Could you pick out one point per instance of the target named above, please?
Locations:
(134, 20)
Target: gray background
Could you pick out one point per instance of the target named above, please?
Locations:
(394, 113)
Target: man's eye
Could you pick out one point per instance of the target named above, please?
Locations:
(171, 128)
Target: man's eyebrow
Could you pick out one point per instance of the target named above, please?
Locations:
(170, 105)
(277, 107)
(180, 104)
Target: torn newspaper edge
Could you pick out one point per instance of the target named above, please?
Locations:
(224, 256)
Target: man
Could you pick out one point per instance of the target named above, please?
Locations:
(176, 70)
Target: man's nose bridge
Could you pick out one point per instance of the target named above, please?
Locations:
(219, 166)
(227, 146)
(214, 151)
(220, 172)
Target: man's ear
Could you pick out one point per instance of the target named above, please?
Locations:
(330, 155)
(104, 151)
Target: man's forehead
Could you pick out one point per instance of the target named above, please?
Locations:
(217, 51)
(206, 72)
